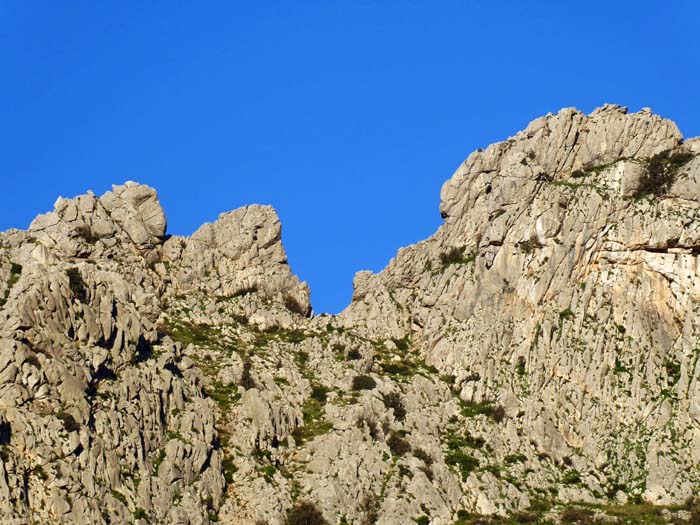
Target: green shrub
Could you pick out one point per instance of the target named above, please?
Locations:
(247, 381)
(673, 370)
(393, 400)
(659, 173)
(305, 513)
(140, 514)
(486, 408)
(464, 462)
(456, 256)
(566, 314)
(229, 469)
(397, 369)
(319, 393)
(363, 382)
(532, 244)
(572, 477)
(402, 344)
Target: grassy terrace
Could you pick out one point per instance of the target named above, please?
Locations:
(543, 512)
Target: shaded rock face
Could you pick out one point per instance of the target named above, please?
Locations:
(539, 349)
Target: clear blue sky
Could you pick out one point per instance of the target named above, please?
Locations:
(347, 117)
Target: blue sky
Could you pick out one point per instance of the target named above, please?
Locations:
(347, 117)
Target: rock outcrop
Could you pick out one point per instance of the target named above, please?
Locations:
(539, 351)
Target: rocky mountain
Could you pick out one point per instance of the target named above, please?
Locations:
(535, 360)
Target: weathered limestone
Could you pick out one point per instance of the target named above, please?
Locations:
(542, 345)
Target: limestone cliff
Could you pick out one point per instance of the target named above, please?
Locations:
(538, 352)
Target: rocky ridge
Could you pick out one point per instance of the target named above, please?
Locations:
(538, 351)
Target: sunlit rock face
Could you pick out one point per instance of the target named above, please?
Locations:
(539, 349)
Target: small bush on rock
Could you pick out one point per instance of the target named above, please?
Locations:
(247, 381)
(369, 506)
(363, 382)
(398, 445)
(393, 400)
(660, 173)
(305, 513)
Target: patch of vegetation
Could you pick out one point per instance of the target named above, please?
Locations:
(456, 256)
(530, 245)
(229, 469)
(363, 382)
(319, 393)
(486, 408)
(140, 514)
(576, 515)
(520, 366)
(456, 441)
(464, 462)
(456, 455)
(277, 333)
(69, 422)
(370, 422)
(305, 513)
(423, 456)
(247, 380)
(572, 477)
(369, 507)
(245, 291)
(393, 400)
(85, 232)
(660, 172)
(673, 370)
(403, 344)
(225, 395)
(515, 458)
(619, 367)
(119, 496)
(15, 272)
(158, 460)
(190, 333)
(313, 412)
(354, 354)
(401, 368)
(428, 461)
(397, 444)
(566, 314)
(77, 285)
